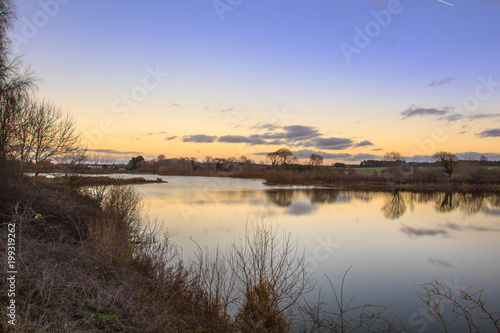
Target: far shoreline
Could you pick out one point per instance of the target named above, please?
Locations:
(341, 185)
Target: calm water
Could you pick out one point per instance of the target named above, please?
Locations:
(393, 241)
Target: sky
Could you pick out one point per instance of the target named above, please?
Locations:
(348, 80)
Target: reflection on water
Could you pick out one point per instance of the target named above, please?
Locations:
(395, 241)
(396, 204)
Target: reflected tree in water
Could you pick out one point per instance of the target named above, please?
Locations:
(281, 198)
(494, 200)
(472, 203)
(447, 203)
(323, 196)
(395, 206)
(469, 203)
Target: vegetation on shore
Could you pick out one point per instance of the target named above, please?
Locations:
(391, 174)
(77, 180)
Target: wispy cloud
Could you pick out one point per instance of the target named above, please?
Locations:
(442, 82)
(199, 138)
(113, 152)
(363, 144)
(414, 111)
(495, 132)
(476, 116)
(170, 138)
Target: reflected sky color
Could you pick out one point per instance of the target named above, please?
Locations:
(365, 71)
(394, 241)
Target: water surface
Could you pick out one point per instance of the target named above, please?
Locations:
(394, 241)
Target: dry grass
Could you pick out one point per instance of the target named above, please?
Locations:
(90, 262)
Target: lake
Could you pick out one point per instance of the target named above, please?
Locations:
(393, 241)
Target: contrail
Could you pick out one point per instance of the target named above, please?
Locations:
(446, 2)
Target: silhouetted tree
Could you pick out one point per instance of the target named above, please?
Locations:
(15, 83)
(393, 156)
(285, 156)
(46, 134)
(273, 158)
(134, 161)
(447, 160)
(315, 160)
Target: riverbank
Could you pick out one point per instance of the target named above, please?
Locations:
(97, 180)
(429, 180)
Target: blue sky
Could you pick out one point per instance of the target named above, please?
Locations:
(235, 67)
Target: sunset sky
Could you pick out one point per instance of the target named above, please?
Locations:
(349, 80)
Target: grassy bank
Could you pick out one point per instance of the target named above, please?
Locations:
(87, 261)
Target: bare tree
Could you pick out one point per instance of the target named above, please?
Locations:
(271, 276)
(447, 160)
(273, 158)
(393, 156)
(463, 308)
(48, 134)
(285, 156)
(315, 160)
(15, 83)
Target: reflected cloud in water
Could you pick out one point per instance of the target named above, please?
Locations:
(440, 262)
(470, 227)
(416, 232)
(491, 212)
(301, 208)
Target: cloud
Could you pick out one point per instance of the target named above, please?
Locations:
(361, 157)
(175, 105)
(463, 156)
(113, 152)
(171, 138)
(477, 156)
(287, 135)
(270, 127)
(423, 232)
(377, 149)
(363, 143)
(477, 116)
(413, 111)
(199, 138)
(330, 143)
(234, 139)
(300, 132)
(306, 153)
(442, 82)
(489, 133)
(154, 133)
